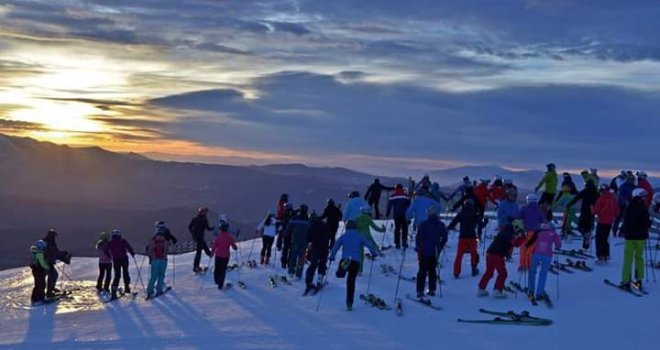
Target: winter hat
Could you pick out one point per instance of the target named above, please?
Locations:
(639, 192)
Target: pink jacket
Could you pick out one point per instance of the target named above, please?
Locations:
(606, 208)
(104, 257)
(545, 238)
(221, 244)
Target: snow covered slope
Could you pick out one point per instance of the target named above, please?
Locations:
(587, 315)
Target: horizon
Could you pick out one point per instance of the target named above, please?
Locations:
(388, 87)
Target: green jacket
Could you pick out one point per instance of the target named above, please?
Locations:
(364, 222)
(550, 182)
(38, 259)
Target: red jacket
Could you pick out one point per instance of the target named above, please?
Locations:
(497, 193)
(221, 244)
(280, 210)
(481, 193)
(606, 208)
(644, 183)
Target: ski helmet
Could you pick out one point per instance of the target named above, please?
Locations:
(532, 198)
(41, 245)
(116, 232)
(639, 192)
(160, 224)
(223, 218)
(330, 201)
(550, 166)
(584, 172)
(51, 232)
(641, 174)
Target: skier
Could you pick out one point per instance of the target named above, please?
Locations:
(429, 242)
(417, 211)
(39, 269)
(220, 249)
(617, 181)
(298, 232)
(118, 248)
(507, 209)
(365, 223)
(52, 253)
(532, 217)
(163, 230)
(635, 229)
(466, 191)
(319, 237)
(197, 227)
(397, 206)
(280, 216)
(332, 216)
(352, 244)
(568, 181)
(352, 207)
(284, 239)
(561, 202)
(588, 196)
(267, 229)
(157, 253)
(549, 184)
(505, 240)
(606, 209)
(643, 182)
(497, 190)
(482, 196)
(105, 264)
(373, 195)
(625, 191)
(437, 194)
(587, 176)
(541, 242)
(468, 218)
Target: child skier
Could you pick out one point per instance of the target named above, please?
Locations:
(497, 251)
(220, 249)
(157, 252)
(541, 243)
(118, 249)
(468, 218)
(267, 229)
(429, 242)
(105, 263)
(352, 244)
(635, 229)
(39, 269)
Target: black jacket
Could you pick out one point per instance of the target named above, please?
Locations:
(636, 220)
(332, 216)
(374, 190)
(319, 237)
(468, 218)
(198, 226)
(504, 241)
(588, 195)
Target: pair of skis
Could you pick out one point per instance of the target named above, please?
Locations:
(423, 301)
(511, 318)
(632, 288)
(575, 253)
(154, 296)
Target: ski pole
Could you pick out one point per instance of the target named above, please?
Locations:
(251, 247)
(437, 269)
(398, 280)
(144, 290)
(325, 278)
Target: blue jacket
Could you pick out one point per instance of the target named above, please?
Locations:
(507, 209)
(352, 208)
(417, 210)
(431, 237)
(352, 244)
(398, 204)
(625, 192)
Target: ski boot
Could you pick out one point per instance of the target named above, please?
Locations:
(431, 293)
(308, 289)
(482, 293)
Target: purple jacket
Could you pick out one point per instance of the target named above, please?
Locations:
(104, 257)
(531, 216)
(545, 238)
(118, 247)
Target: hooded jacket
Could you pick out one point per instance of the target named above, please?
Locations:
(431, 237)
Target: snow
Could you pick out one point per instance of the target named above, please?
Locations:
(195, 315)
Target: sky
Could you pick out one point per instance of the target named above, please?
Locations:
(384, 86)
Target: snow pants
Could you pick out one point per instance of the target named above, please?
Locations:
(353, 270)
(544, 261)
(220, 271)
(105, 272)
(526, 253)
(466, 245)
(602, 241)
(318, 261)
(634, 250)
(121, 270)
(39, 290)
(494, 263)
(51, 281)
(158, 267)
(266, 246)
(201, 246)
(400, 232)
(427, 266)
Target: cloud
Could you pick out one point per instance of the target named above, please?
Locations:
(14, 126)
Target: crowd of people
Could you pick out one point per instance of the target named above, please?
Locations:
(621, 207)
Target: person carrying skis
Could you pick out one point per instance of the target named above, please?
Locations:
(352, 207)
(157, 253)
(267, 229)
(39, 269)
(220, 249)
(468, 218)
(52, 253)
(588, 196)
(635, 230)
(532, 217)
(542, 242)
(319, 236)
(561, 202)
(429, 242)
(549, 184)
(197, 227)
(118, 248)
(625, 196)
(567, 180)
(643, 182)
(606, 210)
(373, 195)
(332, 216)
(298, 232)
(352, 244)
(397, 206)
(505, 240)
(105, 263)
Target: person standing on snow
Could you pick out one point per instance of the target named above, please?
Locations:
(508, 209)
(643, 182)
(332, 216)
(157, 253)
(298, 232)
(418, 209)
(542, 243)
(567, 180)
(105, 264)
(52, 253)
(267, 229)
(588, 196)
(532, 217)
(365, 223)
(549, 184)
(429, 242)
(625, 196)
(284, 238)
(197, 227)
(505, 240)
(635, 229)
(220, 249)
(319, 237)
(497, 190)
(39, 269)
(397, 205)
(118, 249)
(352, 244)
(606, 210)
(468, 218)
(561, 202)
(373, 196)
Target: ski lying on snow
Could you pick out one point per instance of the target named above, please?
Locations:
(630, 291)
(424, 301)
(523, 316)
(503, 321)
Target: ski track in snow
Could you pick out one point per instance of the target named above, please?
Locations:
(195, 315)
